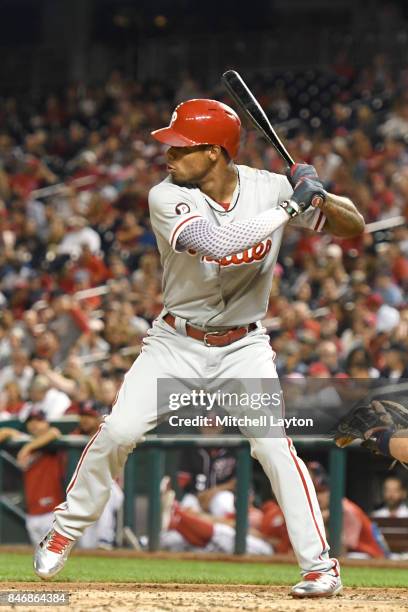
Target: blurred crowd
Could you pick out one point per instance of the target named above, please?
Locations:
(80, 279)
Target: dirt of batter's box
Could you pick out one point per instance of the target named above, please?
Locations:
(104, 597)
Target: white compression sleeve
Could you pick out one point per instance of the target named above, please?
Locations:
(220, 241)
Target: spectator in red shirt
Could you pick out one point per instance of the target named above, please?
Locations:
(359, 536)
(68, 323)
(43, 472)
(94, 264)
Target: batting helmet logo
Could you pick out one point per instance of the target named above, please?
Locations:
(182, 208)
(173, 117)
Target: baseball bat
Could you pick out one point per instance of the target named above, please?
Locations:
(245, 99)
(247, 102)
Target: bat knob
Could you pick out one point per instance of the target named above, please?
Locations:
(317, 201)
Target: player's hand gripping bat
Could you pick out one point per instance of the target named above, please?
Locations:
(247, 102)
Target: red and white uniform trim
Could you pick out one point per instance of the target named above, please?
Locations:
(323, 541)
(75, 474)
(319, 220)
(180, 226)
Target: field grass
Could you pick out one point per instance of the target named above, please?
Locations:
(17, 567)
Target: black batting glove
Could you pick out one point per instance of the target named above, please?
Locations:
(307, 189)
(306, 192)
(300, 172)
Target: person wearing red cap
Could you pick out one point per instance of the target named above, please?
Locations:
(43, 471)
(319, 370)
(218, 227)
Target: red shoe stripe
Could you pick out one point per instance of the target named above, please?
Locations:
(58, 543)
(313, 576)
(335, 567)
(75, 475)
(323, 541)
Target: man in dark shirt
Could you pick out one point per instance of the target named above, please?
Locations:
(207, 477)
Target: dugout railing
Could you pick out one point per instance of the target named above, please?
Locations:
(155, 449)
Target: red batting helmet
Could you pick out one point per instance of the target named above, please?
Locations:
(198, 122)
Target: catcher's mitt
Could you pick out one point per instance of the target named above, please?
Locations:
(364, 421)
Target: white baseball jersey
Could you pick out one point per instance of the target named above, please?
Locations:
(234, 290)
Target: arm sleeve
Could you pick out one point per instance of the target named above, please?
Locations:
(220, 241)
(312, 218)
(171, 210)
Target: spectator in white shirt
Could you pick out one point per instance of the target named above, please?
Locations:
(79, 233)
(19, 371)
(46, 398)
(395, 496)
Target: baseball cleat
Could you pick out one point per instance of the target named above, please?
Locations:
(51, 554)
(318, 584)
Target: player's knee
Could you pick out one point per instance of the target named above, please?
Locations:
(262, 446)
(121, 433)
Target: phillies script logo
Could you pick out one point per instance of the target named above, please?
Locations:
(255, 253)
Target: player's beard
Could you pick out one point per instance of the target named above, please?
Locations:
(180, 182)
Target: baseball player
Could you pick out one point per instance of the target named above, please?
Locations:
(207, 477)
(218, 227)
(190, 530)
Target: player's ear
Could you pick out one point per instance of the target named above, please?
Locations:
(214, 152)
